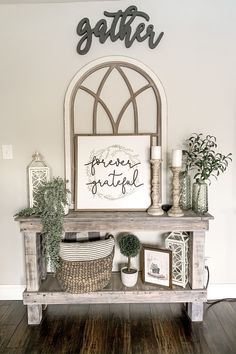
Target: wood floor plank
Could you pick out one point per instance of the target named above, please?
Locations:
(62, 329)
(23, 335)
(118, 335)
(165, 328)
(75, 324)
(143, 339)
(223, 313)
(14, 313)
(5, 302)
(118, 329)
(95, 330)
(214, 332)
(189, 333)
(6, 332)
(3, 311)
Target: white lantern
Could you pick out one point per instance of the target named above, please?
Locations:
(178, 243)
(38, 174)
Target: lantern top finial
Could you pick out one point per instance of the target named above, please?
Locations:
(37, 161)
(37, 156)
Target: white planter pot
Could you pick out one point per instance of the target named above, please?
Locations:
(129, 279)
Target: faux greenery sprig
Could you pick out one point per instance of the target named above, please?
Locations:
(129, 246)
(202, 156)
(50, 200)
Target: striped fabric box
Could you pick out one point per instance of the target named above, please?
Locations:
(83, 236)
(86, 251)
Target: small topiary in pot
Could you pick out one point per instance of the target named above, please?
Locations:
(129, 246)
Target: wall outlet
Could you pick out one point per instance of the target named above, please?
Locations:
(7, 153)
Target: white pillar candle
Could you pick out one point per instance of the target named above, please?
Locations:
(177, 158)
(155, 152)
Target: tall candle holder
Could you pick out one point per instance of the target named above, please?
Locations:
(175, 209)
(155, 209)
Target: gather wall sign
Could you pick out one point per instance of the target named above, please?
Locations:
(120, 28)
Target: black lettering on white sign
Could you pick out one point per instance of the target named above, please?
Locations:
(113, 179)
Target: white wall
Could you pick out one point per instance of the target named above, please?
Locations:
(195, 62)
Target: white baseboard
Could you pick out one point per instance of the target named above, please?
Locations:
(11, 292)
(221, 291)
(214, 291)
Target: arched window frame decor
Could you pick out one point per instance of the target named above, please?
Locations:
(76, 84)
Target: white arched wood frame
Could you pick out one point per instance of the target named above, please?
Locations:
(77, 83)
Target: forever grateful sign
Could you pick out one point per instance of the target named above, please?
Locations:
(112, 172)
(120, 28)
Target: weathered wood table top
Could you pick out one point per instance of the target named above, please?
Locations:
(117, 220)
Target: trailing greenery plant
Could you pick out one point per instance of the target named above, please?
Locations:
(201, 155)
(50, 200)
(129, 246)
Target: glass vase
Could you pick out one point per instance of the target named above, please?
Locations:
(200, 197)
(185, 201)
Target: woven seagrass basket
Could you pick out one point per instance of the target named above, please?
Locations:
(85, 276)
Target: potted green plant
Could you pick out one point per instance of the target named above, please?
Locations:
(50, 202)
(203, 158)
(129, 246)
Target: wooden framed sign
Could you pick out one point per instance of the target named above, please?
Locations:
(112, 172)
(156, 266)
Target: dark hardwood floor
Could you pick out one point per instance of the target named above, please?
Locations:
(118, 329)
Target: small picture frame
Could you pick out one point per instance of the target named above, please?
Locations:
(156, 266)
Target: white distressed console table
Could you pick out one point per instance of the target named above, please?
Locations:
(42, 288)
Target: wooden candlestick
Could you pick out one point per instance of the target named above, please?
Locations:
(155, 209)
(175, 209)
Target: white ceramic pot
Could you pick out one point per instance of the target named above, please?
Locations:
(129, 279)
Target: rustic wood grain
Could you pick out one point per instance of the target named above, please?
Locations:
(164, 325)
(142, 293)
(197, 254)
(117, 220)
(119, 329)
(118, 332)
(214, 336)
(39, 293)
(96, 328)
(190, 333)
(142, 327)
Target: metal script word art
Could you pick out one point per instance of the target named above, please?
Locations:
(120, 28)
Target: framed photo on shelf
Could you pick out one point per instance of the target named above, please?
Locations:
(112, 172)
(157, 266)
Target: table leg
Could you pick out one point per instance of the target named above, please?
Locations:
(195, 311)
(33, 273)
(196, 276)
(34, 314)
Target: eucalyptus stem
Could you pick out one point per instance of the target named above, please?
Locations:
(201, 156)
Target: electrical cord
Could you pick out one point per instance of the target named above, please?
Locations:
(208, 276)
(213, 302)
(226, 299)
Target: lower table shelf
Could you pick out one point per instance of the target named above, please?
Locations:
(50, 292)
